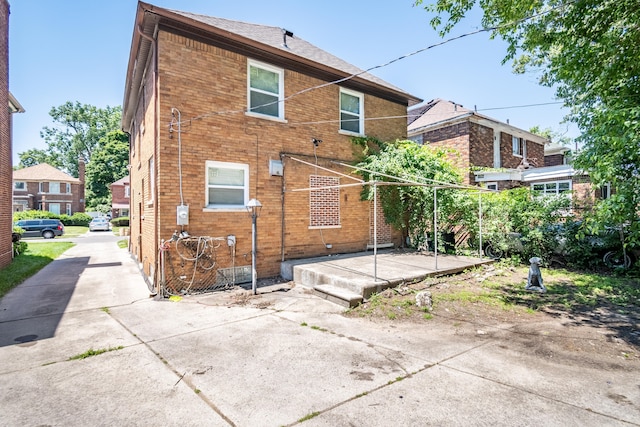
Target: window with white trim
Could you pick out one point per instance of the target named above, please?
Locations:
(54, 208)
(127, 191)
(54, 188)
(19, 185)
(68, 208)
(492, 185)
(227, 185)
(41, 187)
(265, 90)
(551, 187)
(605, 191)
(351, 112)
(518, 146)
(68, 188)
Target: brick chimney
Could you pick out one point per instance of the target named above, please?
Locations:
(81, 186)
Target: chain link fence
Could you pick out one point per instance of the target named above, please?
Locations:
(198, 264)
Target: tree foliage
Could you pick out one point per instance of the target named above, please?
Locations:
(108, 164)
(80, 127)
(588, 51)
(410, 207)
(35, 156)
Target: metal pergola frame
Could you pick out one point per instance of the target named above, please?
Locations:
(403, 182)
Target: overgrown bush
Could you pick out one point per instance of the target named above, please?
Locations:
(78, 218)
(122, 221)
(34, 214)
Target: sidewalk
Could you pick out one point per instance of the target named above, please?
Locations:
(281, 358)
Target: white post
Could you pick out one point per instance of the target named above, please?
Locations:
(375, 232)
(435, 226)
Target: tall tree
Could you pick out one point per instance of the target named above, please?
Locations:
(35, 156)
(587, 50)
(79, 131)
(108, 164)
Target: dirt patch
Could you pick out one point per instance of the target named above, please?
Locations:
(573, 322)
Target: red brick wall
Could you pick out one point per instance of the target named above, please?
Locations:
(535, 153)
(455, 137)
(6, 173)
(118, 194)
(200, 80)
(554, 160)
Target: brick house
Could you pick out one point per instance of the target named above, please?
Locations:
(220, 112)
(513, 157)
(12, 106)
(479, 140)
(120, 197)
(43, 187)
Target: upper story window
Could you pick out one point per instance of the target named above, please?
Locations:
(351, 112)
(19, 185)
(126, 191)
(227, 185)
(41, 187)
(266, 90)
(518, 146)
(68, 188)
(54, 188)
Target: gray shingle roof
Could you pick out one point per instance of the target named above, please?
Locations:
(273, 36)
(43, 172)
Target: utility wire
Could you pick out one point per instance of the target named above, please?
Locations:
(449, 40)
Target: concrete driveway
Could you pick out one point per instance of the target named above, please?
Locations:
(281, 358)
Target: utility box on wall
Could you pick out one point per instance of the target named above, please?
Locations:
(276, 168)
(182, 215)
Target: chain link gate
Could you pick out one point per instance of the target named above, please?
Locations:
(199, 264)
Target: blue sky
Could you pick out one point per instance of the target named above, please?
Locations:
(77, 50)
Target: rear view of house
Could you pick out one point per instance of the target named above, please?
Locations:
(220, 112)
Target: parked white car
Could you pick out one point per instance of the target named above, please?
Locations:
(99, 224)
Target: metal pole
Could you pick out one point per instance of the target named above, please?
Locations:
(375, 232)
(435, 226)
(480, 222)
(254, 274)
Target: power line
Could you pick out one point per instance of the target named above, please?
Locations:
(416, 52)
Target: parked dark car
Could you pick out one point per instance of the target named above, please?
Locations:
(47, 228)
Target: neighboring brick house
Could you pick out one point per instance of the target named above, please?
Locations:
(220, 112)
(512, 157)
(120, 197)
(45, 188)
(480, 141)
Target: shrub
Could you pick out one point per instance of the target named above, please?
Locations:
(122, 221)
(80, 218)
(34, 214)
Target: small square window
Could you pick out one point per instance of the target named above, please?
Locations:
(19, 185)
(227, 185)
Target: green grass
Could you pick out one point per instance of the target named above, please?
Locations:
(74, 230)
(91, 352)
(29, 263)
